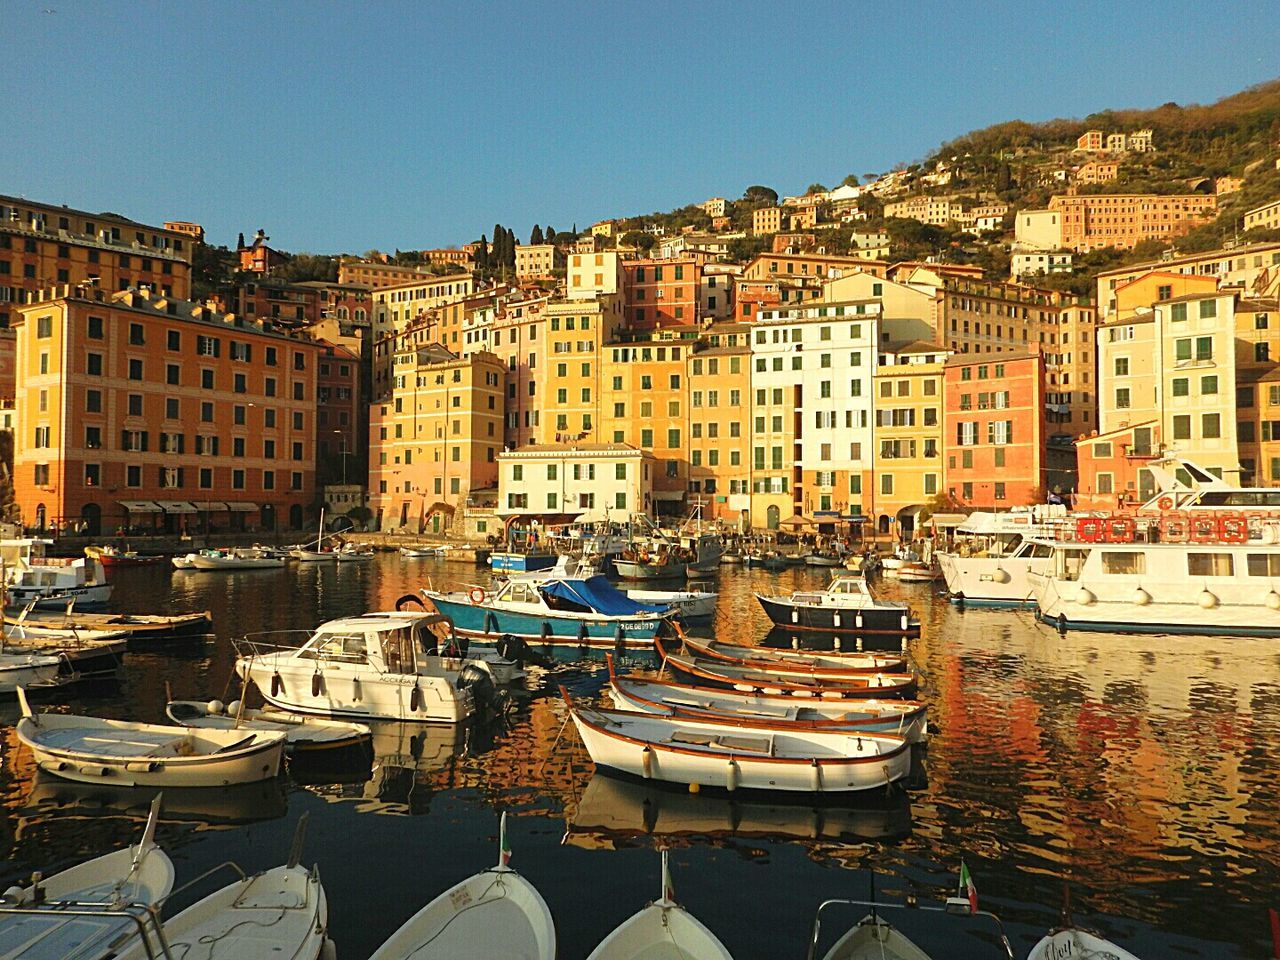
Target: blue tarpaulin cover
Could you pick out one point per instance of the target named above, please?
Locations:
(600, 595)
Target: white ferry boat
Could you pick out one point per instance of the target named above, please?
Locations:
(993, 552)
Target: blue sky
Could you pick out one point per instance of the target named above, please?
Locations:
(341, 127)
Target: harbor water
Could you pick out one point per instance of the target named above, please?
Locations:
(1143, 771)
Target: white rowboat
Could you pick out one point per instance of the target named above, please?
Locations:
(301, 733)
(781, 758)
(1072, 942)
(26, 670)
(92, 750)
(663, 930)
(873, 939)
(495, 913)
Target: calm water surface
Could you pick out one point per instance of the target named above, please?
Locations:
(1144, 769)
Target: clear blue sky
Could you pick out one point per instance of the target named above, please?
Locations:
(341, 127)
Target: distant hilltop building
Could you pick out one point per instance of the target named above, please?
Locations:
(192, 230)
(257, 257)
(1095, 141)
(715, 207)
(1265, 217)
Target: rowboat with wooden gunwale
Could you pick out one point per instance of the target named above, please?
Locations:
(810, 662)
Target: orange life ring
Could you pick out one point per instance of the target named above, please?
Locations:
(477, 595)
(1165, 503)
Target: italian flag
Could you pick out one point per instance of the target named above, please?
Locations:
(504, 848)
(967, 889)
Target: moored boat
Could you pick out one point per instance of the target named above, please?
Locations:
(111, 557)
(32, 577)
(663, 930)
(781, 758)
(494, 913)
(905, 718)
(93, 750)
(824, 560)
(1071, 942)
(692, 604)
(847, 605)
(233, 560)
(770, 681)
(131, 625)
(809, 662)
(303, 734)
(916, 571)
(27, 670)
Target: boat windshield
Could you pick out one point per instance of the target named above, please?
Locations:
(337, 647)
(848, 585)
(397, 650)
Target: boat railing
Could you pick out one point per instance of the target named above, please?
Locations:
(952, 906)
(146, 920)
(251, 645)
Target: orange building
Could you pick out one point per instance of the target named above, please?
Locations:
(660, 293)
(192, 230)
(340, 420)
(137, 410)
(375, 274)
(257, 257)
(303, 303)
(1094, 221)
(519, 334)
(995, 433)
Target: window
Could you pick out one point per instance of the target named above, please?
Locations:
(1208, 385)
(1122, 366)
(1182, 349)
(1124, 562)
(93, 401)
(206, 412)
(241, 383)
(172, 408)
(137, 336)
(999, 490)
(95, 328)
(1122, 398)
(1204, 348)
(238, 416)
(174, 340)
(1181, 387)
(886, 484)
(206, 379)
(1261, 352)
(1182, 427)
(1208, 309)
(1264, 565)
(93, 365)
(1211, 426)
(135, 404)
(1210, 565)
(237, 479)
(1178, 311)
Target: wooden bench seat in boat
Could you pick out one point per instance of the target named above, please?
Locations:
(138, 743)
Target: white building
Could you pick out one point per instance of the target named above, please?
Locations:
(811, 369)
(566, 480)
(1028, 264)
(1038, 229)
(714, 207)
(715, 291)
(591, 274)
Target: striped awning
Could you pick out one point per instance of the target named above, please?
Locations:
(237, 507)
(209, 506)
(175, 506)
(140, 506)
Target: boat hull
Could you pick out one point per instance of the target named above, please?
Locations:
(989, 581)
(869, 621)
(88, 595)
(25, 670)
(635, 570)
(235, 563)
(343, 690)
(481, 621)
(521, 562)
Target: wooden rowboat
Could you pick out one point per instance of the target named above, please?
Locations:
(663, 930)
(905, 718)
(92, 750)
(495, 913)
(771, 681)
(132, 625)
(781, 758)
(302, 734)
(84, 910)
(810, 662)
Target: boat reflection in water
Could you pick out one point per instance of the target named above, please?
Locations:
(614, 810)
(410, 762)
(52, 797)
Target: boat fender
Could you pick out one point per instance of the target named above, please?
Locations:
(905, 623)
(1062, 623)
(409, 598)
(546, 632)
(646, 762)
(815, 775)
(490, 623)
(857, 620)
(1001, 575)
(415, 745)
(356, 694)
(619, 636)
(233, 708)
(1141, 597)
(582, 632)
(1273, 600)
(795, 616)
(1086, 597)
(328, 950)
(317, 684)
(277, 684)
(695, 787)
(795, 643)
(835, 619)
(1208, 600)
(214, 707)
(415, 698)
(731, 776)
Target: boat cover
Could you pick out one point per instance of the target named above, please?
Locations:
(600, 595)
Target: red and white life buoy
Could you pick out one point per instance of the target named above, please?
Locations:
(477, 595)
(1165, 503)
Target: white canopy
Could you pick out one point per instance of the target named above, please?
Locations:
(140, 506)
(175, 506)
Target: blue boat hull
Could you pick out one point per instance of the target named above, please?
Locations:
(482, 621)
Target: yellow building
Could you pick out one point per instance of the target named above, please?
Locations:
(435, 438)
(538, 261)
(567, 387)
(766, 220)
(907, 470)
(519, 334)
(719, 448)
(591, 275)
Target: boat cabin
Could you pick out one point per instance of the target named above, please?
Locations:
(387, 642)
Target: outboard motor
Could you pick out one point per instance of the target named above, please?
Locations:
(519, 652)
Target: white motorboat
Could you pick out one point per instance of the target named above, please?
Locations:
(781, 758)
(423, 551)
(302, 734)
(184, 562)
(846, 606)
(692, 604)
(495, 913)
(32, 577)
(378, 666)
(988, 561)
(1220, 586)
(234, 560)
(663, 930)
(353, 554)
(303, 555)
(86, 910)
(874, 939)
(1072, 942)
(905, 718)
(279, 914)
(93, 750)
(27, 670)
(915, 571)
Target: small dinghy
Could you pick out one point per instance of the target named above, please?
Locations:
(496, 913)
(811, 663)
(280, 914)
(905, 718)
(719, 755)
(663, 930)
(874, 939)
(302, 734)
(93, 750)
(82, 912)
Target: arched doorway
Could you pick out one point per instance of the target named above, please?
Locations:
(268, 516)
(91, 517)
(882, 525)
(295, 517)
(773, 517)
(40, 516)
